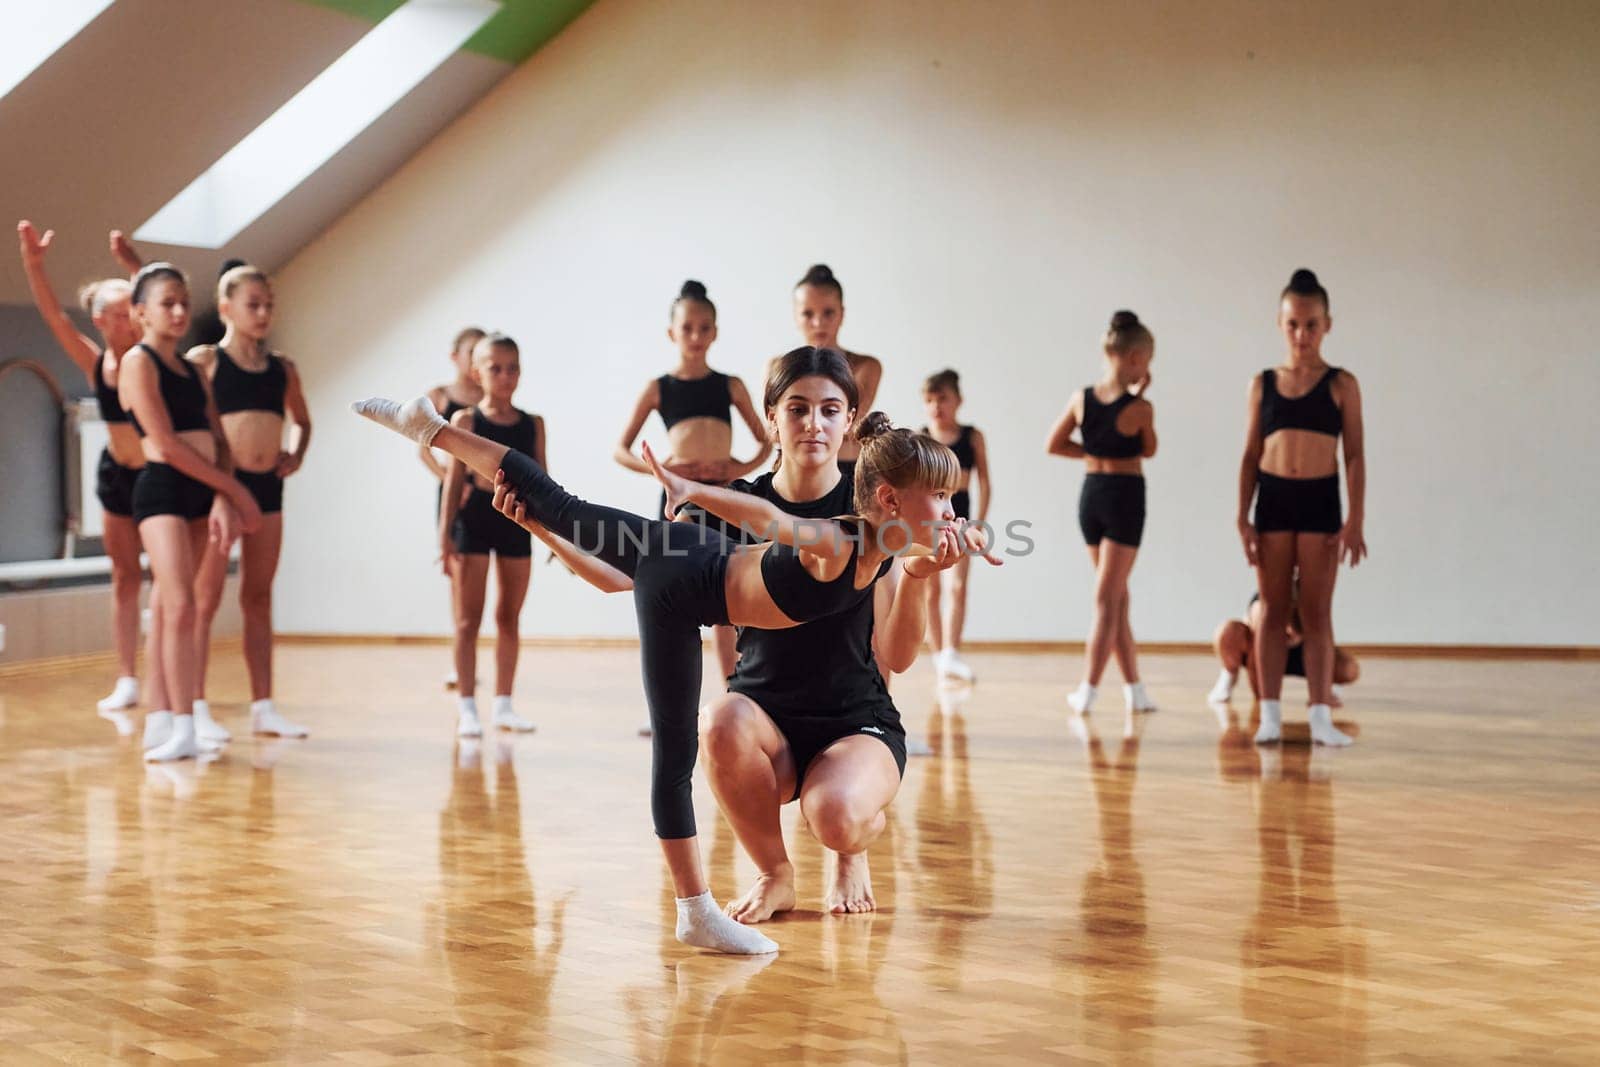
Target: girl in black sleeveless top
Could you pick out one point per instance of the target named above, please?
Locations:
(470, 531)
(1298, 414)
(690, 393)
(1117, 424)
(183, 485)
(108, 304)
(947, 597)
(462, 391)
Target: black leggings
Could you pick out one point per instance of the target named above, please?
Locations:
(678, 570)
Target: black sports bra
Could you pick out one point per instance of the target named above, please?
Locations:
(802, 597)
(522, 435)
(110, 403)
(1101, 438)
(182, 395)
(966, 455)
(695, 398)
(1316, 411)
(237, 389)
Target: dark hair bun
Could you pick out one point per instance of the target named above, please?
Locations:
(819, 274)
(1121, 320)
(692, 290)
(1304, 281)
(875, 425)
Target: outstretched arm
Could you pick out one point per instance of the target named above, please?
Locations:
(591, 569)
(79, 348)
(123, 252)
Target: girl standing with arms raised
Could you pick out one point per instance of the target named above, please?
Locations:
(109, 306)
(1298, 414)
(696, 406)
(470, 530)
(257, 394)
(184, 481)
(1118, 431)
(947, 597)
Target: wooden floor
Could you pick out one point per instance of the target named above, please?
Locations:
(377, 894)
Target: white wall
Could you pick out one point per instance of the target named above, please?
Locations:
(990, 181)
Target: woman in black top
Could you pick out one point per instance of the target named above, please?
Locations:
(1298, 413)
(1118, 429)
(696, 406)
(108, 303)
(470, 530)
(185, 482)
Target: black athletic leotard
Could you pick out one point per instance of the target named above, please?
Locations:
(1300, 505)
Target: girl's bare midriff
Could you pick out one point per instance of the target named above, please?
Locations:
(255, 438)
(123, 444)
(1300, 454)
(701, 440)
(199, 440)
(1104, 465)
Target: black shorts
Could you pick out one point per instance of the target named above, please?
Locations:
(162, 489)
(1111, 507)
(265, 486)
(479, 530)
(961, 504)
(808, 735)
(1297, 505)
(114, 486)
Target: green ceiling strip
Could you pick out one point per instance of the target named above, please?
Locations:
(520, 29)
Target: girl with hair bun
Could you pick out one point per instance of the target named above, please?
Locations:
(109, 305)
(696, 406)
(819, 312)
(1116, 424)
(1298, 414)
(684, 576)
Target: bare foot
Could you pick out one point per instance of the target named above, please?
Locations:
(771, 894)
(852, 887)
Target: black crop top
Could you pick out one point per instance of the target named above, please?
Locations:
(1316, 411)
(182, 394)
(522, 435)
(802, 597)
(1101, 439)
(237, 389)
(709, 397)
(966, 455)
(110, 404)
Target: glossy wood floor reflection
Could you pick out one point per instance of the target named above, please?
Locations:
(378, 894)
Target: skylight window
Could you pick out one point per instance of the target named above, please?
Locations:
(286, 149)
(31, 33)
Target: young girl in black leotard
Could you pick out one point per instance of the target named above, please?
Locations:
(947, 598)
(1118, 433)
(462, 391)
(684, 576)
(1298, 413)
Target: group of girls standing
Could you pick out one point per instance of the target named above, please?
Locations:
(1299, 415)
(195, 460)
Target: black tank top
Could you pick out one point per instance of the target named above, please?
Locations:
(110, 404)
(708, 397)
(966, 455)
(824, 668)
(237, 389)
(451, 407)
(1101, 439)
(1316, 411)
(522, 435)
(802, 597)
(183, 396)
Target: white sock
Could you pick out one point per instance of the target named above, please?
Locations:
(1271, 723)
(264, 719)
(1222, 692)
(1323, 732)
(157, 728)
(125, 694)
(1081, 699)
(205, 727)
(702, 924)
(467, 724)
(507, 719)
(416, 418)
(1136, 698)
(179, 745)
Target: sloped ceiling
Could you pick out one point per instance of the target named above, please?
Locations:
(153, 92)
